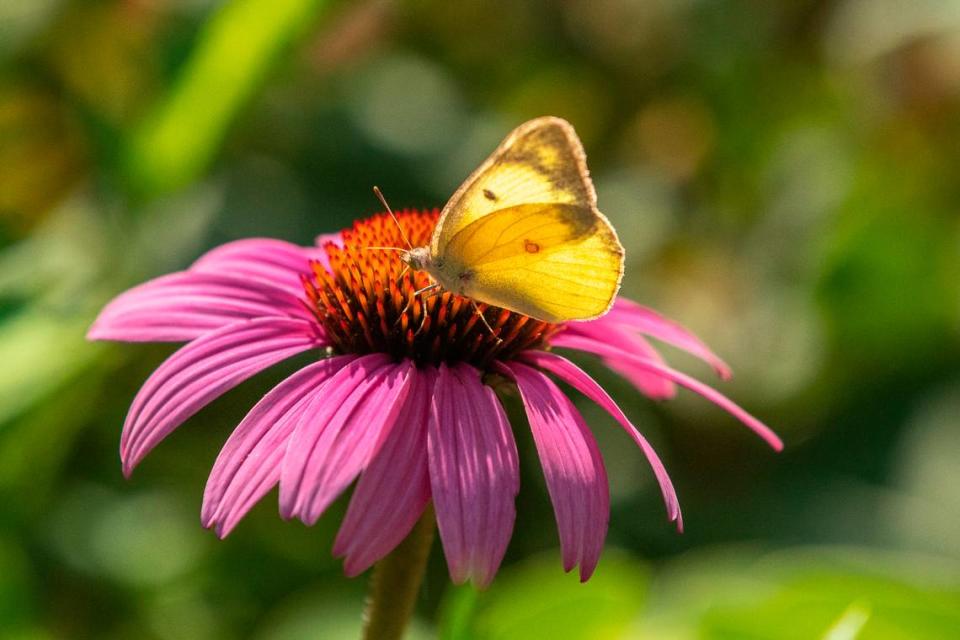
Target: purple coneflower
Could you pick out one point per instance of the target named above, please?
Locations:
(401, 396)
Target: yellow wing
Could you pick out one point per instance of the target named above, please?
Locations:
(541, 161)
(553, 262)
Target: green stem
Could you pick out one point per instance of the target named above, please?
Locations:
(396, 583)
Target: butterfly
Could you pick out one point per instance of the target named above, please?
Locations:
(523, 232)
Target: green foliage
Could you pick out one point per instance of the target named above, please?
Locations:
(234, 52)
(813, 593)
(536, 599)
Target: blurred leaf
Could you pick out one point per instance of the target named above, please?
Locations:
(862, 30)
(56, 263)
(16, 585)
(323, 614)
(182, 612)
(34, 446)
(20, 20)
(890, 272)
(814, 600)
(429, 117)
(136, 540)
(850, 623)
(39, 352)
(104, 57)
(805, 593)
(233, 55)
(41, 152)
(535, 599)
(924, 516)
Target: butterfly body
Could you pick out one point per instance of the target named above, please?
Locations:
(523, 231)
(447, 274)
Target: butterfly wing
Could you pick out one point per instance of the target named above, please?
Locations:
(523, 231)
(554, 262)
(541, 161)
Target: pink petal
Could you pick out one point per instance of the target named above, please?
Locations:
(578, 379)
(650, 385)
(394, 489)
(183, 306)
(249, 463)
(645, 320)
(602, 349)
(202, 371)
(339, 432)
(572, 466)
(474, 474)
(324, 239)
(263, 259)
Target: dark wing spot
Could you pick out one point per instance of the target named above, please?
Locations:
(530, 246)
(489, 195)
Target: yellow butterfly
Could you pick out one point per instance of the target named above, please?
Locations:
(523, 231)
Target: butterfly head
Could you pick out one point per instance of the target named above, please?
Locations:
(417, 259)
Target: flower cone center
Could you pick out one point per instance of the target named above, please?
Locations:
(368, 302)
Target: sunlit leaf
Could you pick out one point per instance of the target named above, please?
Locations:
(535, 599)
(234, 52)
(806, 593)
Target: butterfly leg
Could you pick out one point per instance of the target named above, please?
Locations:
(433, 290)
(409, 304)
(484, 320)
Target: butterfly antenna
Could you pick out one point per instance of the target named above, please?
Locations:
(383, 201)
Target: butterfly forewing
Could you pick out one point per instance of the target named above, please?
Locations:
(541, 161)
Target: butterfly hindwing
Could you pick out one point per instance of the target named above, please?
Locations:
(553, 262)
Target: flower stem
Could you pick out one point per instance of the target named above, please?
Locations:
(396, 582)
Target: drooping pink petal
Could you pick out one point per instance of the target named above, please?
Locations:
(203, 370)
(338, 433)
(249, 463)
(266, 260)
(650, 385)
(394, 489)
(578, 379)
(645, 320)
(474, 474)
(574, 471)
(581, 343)
(183, 306)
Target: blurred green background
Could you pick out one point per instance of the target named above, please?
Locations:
(785, 177)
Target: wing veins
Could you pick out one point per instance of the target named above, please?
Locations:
(541, 257)
(574, 282)
(567, 228)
